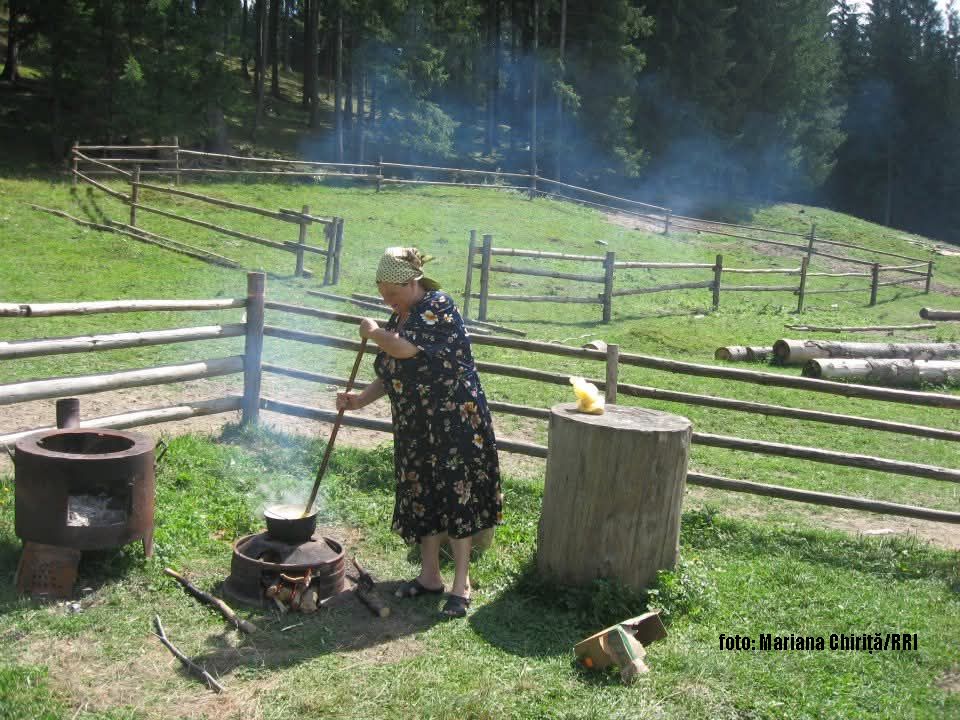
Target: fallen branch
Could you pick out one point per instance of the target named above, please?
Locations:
(187, 662)
(78, 221)
(216, 603)
(872, 328)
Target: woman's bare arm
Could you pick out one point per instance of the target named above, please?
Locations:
(355, 401)
(392, 344)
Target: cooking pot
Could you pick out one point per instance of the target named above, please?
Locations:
(287, 523)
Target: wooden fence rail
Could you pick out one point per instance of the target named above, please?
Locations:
(253, 368)
(139, 418)
(86, 384)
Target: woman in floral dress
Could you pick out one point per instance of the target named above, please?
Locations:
(445, 453)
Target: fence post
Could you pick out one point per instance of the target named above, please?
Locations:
(380, 173)
(485, 275)
(338, 247)
(301, 241)
(176, 157)
(74, 164)
(253, 348)
(468, 286)
(813, 237)
(608, 268)
(926, 287)
(134, 195)
(330, 231)
(613, 367)
(533, 184)
(666, 223)
(874, 283)
(804, 264)
(717, 275)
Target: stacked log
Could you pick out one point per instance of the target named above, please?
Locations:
(931, 314)
(898, 372)
(749, 353)
(800, 352)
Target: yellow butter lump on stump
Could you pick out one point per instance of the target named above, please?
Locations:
(589, 399)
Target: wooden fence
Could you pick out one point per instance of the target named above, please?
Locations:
(303, 219)
(172, 160)
(252, 400)
(486, 252)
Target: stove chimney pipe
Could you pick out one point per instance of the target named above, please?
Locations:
(68, 413)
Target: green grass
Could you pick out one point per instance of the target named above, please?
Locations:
(513, 657)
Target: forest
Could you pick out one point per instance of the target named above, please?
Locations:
(705, 106)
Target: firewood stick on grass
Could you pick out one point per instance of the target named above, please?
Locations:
(187, 662)
(216, 603)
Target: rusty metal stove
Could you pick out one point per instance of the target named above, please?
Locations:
(259, 561)
(79, 489)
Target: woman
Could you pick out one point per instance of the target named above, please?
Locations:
(445, 453)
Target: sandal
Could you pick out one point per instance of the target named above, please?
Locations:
(413, 588)
(456, 606)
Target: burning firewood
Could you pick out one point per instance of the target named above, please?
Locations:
(294, 593)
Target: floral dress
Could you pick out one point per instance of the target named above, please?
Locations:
(445, 453)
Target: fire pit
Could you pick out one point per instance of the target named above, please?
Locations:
(265, 571)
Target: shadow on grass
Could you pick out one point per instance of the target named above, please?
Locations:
(344, 625)
(97, 569)
(534, 617)
(87, 202)
(527, 625)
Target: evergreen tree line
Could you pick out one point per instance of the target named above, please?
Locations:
(698, 104)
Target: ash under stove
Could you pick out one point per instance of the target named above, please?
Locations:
(259, 562)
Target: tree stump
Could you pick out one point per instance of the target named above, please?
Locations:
(611, 502)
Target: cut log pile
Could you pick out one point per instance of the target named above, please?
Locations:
(895, 364)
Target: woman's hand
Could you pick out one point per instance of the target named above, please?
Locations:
(368, 327)
(348, 401)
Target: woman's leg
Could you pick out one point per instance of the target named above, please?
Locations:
(430, 576)
(461, 560)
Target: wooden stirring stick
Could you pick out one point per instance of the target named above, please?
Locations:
(333, 434)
